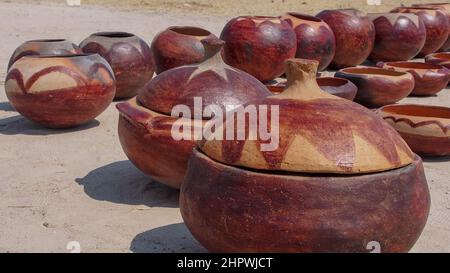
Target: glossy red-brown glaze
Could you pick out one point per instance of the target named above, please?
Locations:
(229, 209)
(441, 58)
(355, 36)
(258, 45)
(446, 8)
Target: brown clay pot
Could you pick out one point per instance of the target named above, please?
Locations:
(436, 23)
(441, 58)
(315, 39)
(446, 8)
(429, 78)
(258, 45)
(334, 184)
(44, 47)
(378, 86)
(129, 56)
(399, 36)
(60, 91)
(179, 45)
(425, 128)
(145, 127)
(355, 36)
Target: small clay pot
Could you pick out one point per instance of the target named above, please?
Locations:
(355, 36)
(399, 36)
(259, 45)
(429, 78)
(436, 23)
(446, 8)
(129, 56)
(178, 46)
(377, 86)
(44, 47)
(425, 128)
(315, 39)
(60, 91)
(441, 58)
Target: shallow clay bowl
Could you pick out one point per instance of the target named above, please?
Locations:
(442, 58)
(429, 78)
(377, 86)
(425, 128)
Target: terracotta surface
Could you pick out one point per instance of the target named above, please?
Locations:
(437, 25)
(258, 45)
(446, 8)
(429, 78)
(179, 45)
(426, 129)
(399, 36)
(315, 39)
(129, 56)
(60, 91)
(441, 58)
(355, 36)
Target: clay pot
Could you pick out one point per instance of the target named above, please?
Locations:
(60, 91)
(441, 58)
(44, 47)
(145, 127)
(399, 36)
(429, 78)
(340, 178)
(315, 39)
(258, 45)
(445, 7)
(355, 36)
(425, 128)
(377, 86)
(179, 45)
(436, 23)
(129, 56)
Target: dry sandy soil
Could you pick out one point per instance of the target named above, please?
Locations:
(77, 185)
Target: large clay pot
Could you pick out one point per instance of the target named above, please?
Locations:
(399, 36)
(44, 47)
(258, 45)
(355, 36)
(340, 178)
(179, 45)
(129, 56)
(446, 8)
(436, 23)
(315, 39)
(145, 127)
(60, 91)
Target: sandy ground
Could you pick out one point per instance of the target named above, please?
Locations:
(77, 185)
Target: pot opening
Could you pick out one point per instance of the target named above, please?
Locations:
(305, 17)
(276, 88)
(48, 41)
(191, 31)
(114, 34)
(60, 56)
(414, 65)
(419, 111)
(335, 82)
(445, 56)
(373, 71)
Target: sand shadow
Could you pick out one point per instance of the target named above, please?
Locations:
(6, 106)
(174, 238)
(436, 159)
(122, 183)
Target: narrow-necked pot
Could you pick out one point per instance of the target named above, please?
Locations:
(446, 8)
(440, 58)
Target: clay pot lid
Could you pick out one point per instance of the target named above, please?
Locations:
(318, 133)
(214, 81)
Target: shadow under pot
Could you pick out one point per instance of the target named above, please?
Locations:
(399, 36)
(445, 7)
(378, 86)
(258, 45)
(429, 78)
(129, 56)
(179, 45)
(333, 184)
(44, 47)
(157, 142)
(60, 91)
(425, 128)
(315, 39)
(355, 36)
(441, 58)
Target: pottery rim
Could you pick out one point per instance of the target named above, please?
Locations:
(190, 31)
(418, 110)
(113, 34)
(373, 71)
(413, 65)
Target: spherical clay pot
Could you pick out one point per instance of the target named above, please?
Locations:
(315, 39)
(425, 128)
(258, 45)
(355, 36)
(429, 79)
(334, 183)
(44, 47)
(60, 91)
(145, 127)
(178, 46)
(129, 56)
(445, 7)
(441, 58)
(378, 86)
(436, 23)
(399, 36)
